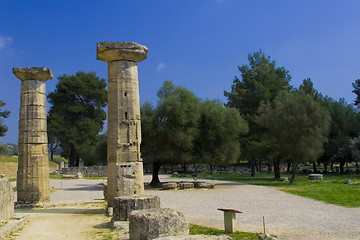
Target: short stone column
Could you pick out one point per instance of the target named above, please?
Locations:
(157, 222)
(124, 164)
(123, 206)
(6, 201)
(33, 168)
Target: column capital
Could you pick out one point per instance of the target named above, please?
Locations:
(116, 51)
(33, 73)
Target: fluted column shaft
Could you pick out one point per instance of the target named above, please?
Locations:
(124, 163)
(33, 167)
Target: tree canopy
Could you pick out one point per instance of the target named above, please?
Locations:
(356, 86)
(3, 114)
(170, 130)
(297, 127)
(261, 80)
(220, 129)
(76, 114)
(182, 130)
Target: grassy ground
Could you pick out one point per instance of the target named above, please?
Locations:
(332, 189)
(200, 230)
(8, 159)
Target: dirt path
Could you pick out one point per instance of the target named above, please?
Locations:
(71, 222)
(289, 216)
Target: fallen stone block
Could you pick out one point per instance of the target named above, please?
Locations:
(284, 179)
(169, 185)
(185, 185)
(154, 223)
(348, 181)
(315, 177)
(206, 185)
(123, 206)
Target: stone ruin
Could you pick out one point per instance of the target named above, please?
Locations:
(6, 201)
(125, 179)
(33, 167)
(124, 163)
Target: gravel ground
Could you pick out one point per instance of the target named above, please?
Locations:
(288, 216)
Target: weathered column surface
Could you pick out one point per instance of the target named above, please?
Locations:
(33, 169)
(125, 167)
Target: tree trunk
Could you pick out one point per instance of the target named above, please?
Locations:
(72, 158)
(51, 155)
(260, 165)
(252, 165)
(77, 161)
(325, 167)
(314, 167)
(288, 167)
(276, 163)
(357, 164)
(257, 166)
(184, 167)
(293, 172)
(155, 181)
(342, 163)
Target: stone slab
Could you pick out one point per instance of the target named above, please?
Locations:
(154, 223)
(33, 73)
(123, 206)
(116, 51)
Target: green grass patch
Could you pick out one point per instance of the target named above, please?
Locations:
(200, 230)
(95, 178)
(332, 189)
(15, 159)
(8, 159)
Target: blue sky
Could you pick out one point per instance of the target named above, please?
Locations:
(197, 44)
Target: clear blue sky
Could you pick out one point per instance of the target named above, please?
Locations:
(197, 44)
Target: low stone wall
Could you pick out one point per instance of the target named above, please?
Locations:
(93, 171)
(6, 200)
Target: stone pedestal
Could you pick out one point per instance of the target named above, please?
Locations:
(33, 167)
(154, 223)
(6, 201)
(123, 206)
(125, 167)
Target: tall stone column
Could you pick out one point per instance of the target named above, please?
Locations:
(124, 163)
(33, 169)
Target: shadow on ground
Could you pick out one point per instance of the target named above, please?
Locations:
(64, 211)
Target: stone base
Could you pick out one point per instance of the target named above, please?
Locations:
(12, 225)
(121, 227)
(315, 177)
(204, 185)
(154, 223)
(125, 179)
(122, 206)
(169, 186)
(186, 185)
(6, 200)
